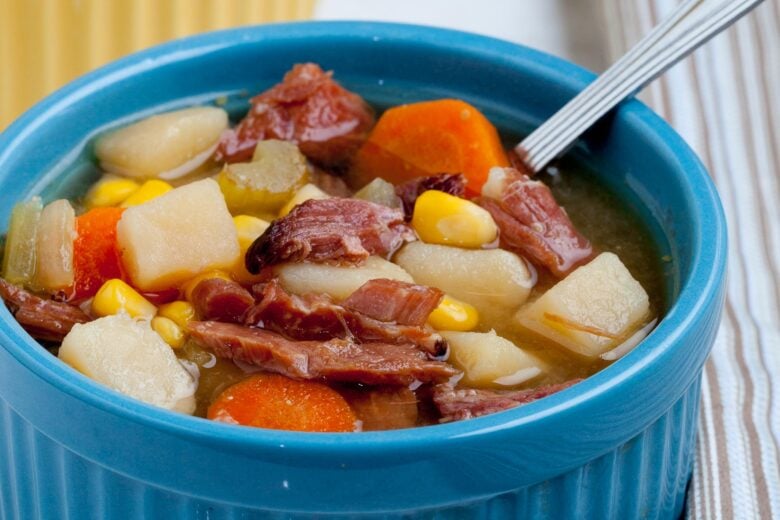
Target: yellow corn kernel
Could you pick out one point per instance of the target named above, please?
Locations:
(169, 331)
(248, 229)
(116, 296)
(307, 192)
(148, 191)
(190, 285)
(452, 314)
(180, 312)
(110, 193)
(441, 218)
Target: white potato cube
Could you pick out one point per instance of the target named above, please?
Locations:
(128, 356)
(337, 281)
(485, 278)
(165, 146)
(490, 360)
(596, 307)
(170, 239)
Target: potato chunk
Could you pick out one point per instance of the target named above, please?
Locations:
(172, 238)
(307, 192)
(596, 307)
(128, 356)
(490, 360)
(485, 278)
(165, 146)
(337, 281)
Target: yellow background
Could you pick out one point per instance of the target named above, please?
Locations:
(46, 43)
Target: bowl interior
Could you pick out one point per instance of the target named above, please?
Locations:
(48, 152)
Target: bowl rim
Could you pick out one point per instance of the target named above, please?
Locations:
(701, 288)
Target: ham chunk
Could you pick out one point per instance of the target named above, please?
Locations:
(45, 320)
(317, 317)
(330, 183)
(335, 360)
(532, 223)
(221, 300)
(456, 404)
(337, 231)
(326, 121)
(391, 300)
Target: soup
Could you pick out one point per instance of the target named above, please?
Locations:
(316, 268)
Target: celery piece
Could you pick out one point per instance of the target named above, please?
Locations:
(278, 169)
(379, 191)
(19, 257)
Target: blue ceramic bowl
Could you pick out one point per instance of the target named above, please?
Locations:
(618, 445)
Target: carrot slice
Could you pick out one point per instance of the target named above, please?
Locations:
(95, 254)
(280, 403)
(443, 136)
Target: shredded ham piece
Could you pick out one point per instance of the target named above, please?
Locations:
(335, 360)
(221, 300)
(534, 225)
(326, 121)
(46, 320)
(331, 230)
(392, 300)
(456, 404)
(330, 183)
(317, 317)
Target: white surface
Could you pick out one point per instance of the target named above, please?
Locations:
(561, 27)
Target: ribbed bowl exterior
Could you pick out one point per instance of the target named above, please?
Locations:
(643, 478)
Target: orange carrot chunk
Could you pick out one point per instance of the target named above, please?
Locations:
(95, 254)
(443, 136)
(280, 403)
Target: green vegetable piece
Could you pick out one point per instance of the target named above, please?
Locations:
(19, 257)
(379, 191)
(277, 171)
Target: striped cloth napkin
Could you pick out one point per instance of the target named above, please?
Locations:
(725, 101)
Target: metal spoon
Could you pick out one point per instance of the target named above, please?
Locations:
(689, 26)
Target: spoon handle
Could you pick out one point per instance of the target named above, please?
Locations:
(689, 26)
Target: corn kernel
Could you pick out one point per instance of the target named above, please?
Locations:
(248, 229)
(110, 192)
(148, 191)
(190, 285)
(441, 218)
(169, 331)
(116, 296)
(452, 314)
(307, 192)
(180, 312)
